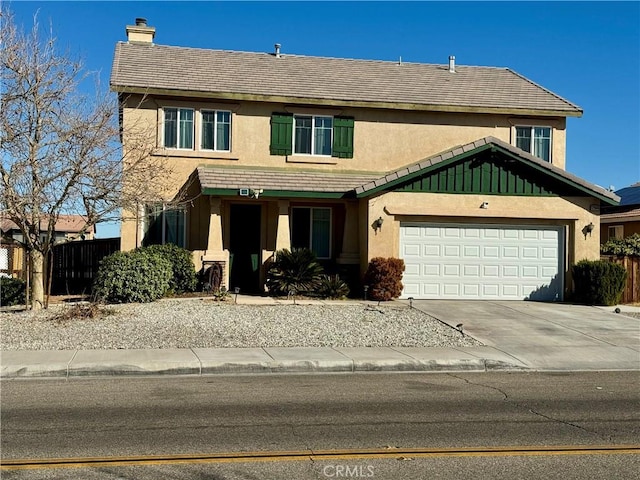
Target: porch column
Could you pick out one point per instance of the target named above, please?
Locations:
(215, 251)
(350, 252)
(283, 233)
(214, 241)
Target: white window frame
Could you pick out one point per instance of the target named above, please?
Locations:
(193, 133)
(311, 227)
(618, 232)
(532, 130)
(313, 135)
(215, 129)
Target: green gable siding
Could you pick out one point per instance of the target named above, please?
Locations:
(485, 173)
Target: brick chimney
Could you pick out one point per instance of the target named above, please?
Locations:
(140, 32)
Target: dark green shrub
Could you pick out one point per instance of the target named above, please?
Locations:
(135, 276)
(622, 246)
(332, 286)
(384, 278)
(296, 272)
(598, 282)
(12, 291)
(184, 277)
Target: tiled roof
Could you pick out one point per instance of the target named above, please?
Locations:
(296, 78)
(428, 162)
(225, 178)
(65, 223)
(629, 215)
(281, 180)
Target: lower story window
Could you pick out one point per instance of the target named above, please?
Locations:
(535, 140)
(616, 231)
(163, 224)
(311, 228)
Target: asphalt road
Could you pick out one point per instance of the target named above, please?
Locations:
(167, 416)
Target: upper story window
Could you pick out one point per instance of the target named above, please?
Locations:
(184, 128)
(535, 140)
(178, 128)
(313, 135)
(216, 130)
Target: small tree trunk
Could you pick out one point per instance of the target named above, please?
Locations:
(37, 280)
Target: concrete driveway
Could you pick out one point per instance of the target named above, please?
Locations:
(546, 336)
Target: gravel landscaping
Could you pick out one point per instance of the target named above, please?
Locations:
(205, 323)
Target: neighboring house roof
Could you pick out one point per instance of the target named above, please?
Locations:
(629, 195)
(149, 68)
(65, 224)
(632, 215)
(629, 208)
(278, 182)
(396, 177)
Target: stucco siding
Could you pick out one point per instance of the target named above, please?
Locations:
(572, 213)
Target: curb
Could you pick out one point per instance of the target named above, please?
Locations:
(242, 361)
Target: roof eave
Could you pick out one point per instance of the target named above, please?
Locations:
(346, 103)
(222, 192)
(371, 188)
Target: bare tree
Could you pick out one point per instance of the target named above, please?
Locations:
(60, 148)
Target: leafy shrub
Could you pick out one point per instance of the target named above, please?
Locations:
(384, 278)
(296, 271)
(12, 291)
(598, 282)
(332, 286)
(135, 276)
(622, 246)
(184, 272)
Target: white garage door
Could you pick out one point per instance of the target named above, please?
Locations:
(451, 261)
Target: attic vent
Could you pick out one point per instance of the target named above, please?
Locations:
(277, 53)
(452, 64)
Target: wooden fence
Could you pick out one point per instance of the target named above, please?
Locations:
(75, 264)
(12, 260)
(632, 264)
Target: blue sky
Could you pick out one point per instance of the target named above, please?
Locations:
(587, 52)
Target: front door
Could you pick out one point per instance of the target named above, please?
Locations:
(245, 248)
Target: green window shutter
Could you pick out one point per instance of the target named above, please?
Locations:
(281, 134)
(342, 137)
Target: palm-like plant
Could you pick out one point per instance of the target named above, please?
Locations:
(294, 272)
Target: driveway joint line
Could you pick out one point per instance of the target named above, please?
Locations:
(199, 361)
(75, 353)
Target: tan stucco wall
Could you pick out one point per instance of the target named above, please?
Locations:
(572, 213)
(383, 139)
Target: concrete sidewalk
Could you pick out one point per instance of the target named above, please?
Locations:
(207, 361)
(516, 336)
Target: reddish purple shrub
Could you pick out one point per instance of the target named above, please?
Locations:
(384, 278)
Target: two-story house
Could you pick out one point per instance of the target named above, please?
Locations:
(458, 170)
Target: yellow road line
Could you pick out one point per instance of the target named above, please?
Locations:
(303, 455)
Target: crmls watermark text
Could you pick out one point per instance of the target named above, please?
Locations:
(348, 471)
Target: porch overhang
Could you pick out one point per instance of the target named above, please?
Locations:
(279, 183)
